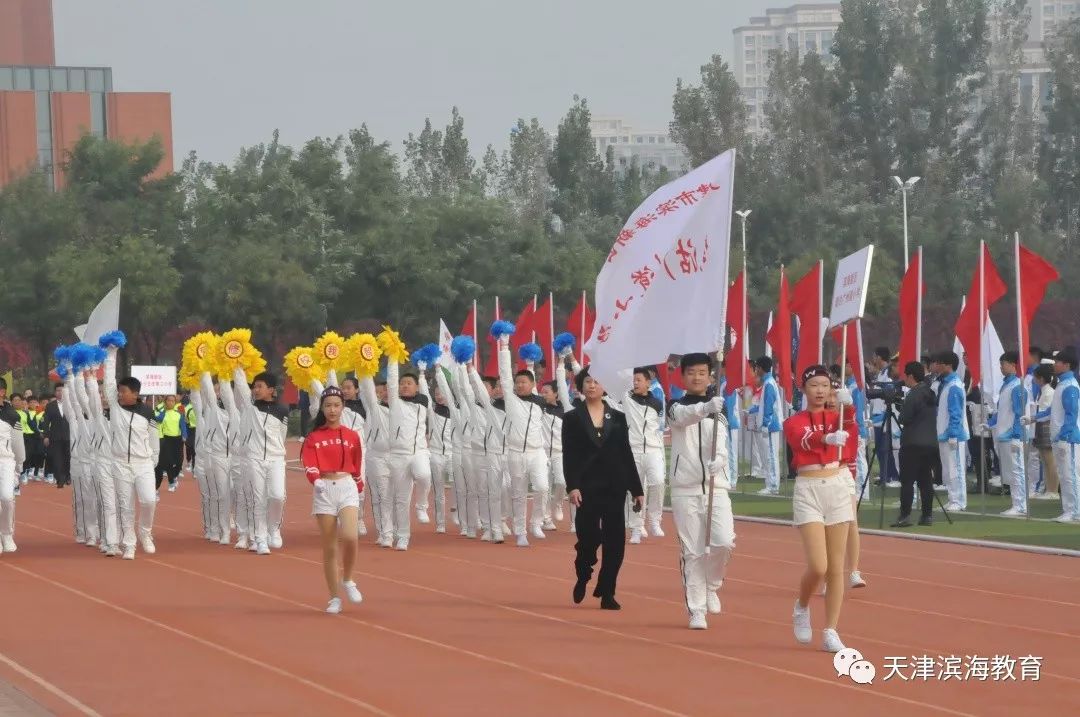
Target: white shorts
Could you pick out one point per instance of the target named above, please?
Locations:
(330, 497)
(823, 500)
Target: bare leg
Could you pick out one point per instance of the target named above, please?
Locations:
(836, 541)
(813, 537)
(328, 533)
(851, 557)
(347, 520)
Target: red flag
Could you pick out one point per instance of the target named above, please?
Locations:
(492, 367)
(580, 324)
(912, 289)
(970, 325)
(854, 350)
(736, 367)
(806, 304)
(469, 329)
(1033, 275)
(523, 332)
(779, 337)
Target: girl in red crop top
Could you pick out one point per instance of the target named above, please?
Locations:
(333, 462)
(821, 447)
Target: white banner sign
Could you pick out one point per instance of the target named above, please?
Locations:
(155, 380)
(849, 288)
(663, 288)
(445, 339)
(104, 318)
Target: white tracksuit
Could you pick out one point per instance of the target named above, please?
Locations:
(102, 463)
(768, 423)
(266, 426)
(465, 495)
(75, 398)
(643, 419)
(376, 459)
(199, 472)
(216, 447)
(1009, 437)
(553, 421)
(952, 425)
(12, 456)
(488, 449)
(526, 457)
(410, 460)
(235, 401)
(352, 417)
(692, 428)
(441, 449)
(135, 445)
(1065, 435)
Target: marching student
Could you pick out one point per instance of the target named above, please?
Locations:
(525, 457)
(173, 431)
(600, 471)
(643, 416)
(82, 476)
(218, 448)
(267, 428)
(236, 401)
(952, 428)
(822, 505)
(768, 411)
(1044, 383)
(473, 454)
(135, 447)
(556, 396)
(97, 470)
(12, 455)
(1009, 434)
(409, 460)
(198, 462)
(699, 454)
(1065, 433)
(1032, 460)
(376, 458)
(466, 509)
(332, 457)
(490, 420)
(440, 445)
(353, 417)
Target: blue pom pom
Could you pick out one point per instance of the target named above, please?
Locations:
(564, 340)
(502, 328)
(62, 372)
(428, 354)
(463, 348)
(62, 354)
(531, 352)
(113, 338)
(81, 356)
(97, 355)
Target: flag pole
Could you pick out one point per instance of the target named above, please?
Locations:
(839, 406)
(918, 304)
(821, 310)
(476, 337)
(581, 348)
(982, 370)
(550, 348)
(1021, 356)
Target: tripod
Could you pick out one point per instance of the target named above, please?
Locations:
(887, 434)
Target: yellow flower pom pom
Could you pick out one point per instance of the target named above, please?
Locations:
(234, 350)
(198, 353)
(301, 367)
(391, 344)
(188, 378)
(329, 352)
(363, 354)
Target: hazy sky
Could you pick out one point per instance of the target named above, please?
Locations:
(238, 69)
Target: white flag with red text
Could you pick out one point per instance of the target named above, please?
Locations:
(663, 288)
(445, 339)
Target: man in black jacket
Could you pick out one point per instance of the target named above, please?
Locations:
(918, 445)
(57, 435)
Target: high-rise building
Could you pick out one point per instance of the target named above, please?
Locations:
(45, 108)
(653, 149)
(1035, 76)
(808, 27)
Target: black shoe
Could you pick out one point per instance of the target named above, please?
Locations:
(579, 590)
(903, 521)
(596, 592)
(608, 603)
(926, 520)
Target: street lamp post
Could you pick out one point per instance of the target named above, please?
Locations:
(743, 214)
(905, 185)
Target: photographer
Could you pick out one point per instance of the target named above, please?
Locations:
(918, 445)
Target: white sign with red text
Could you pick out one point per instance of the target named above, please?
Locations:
(849, 288)
(663, 287)
(155, 380)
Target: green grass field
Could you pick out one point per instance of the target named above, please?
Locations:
(979, 522)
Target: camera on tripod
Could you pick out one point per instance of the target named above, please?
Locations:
(891, 392)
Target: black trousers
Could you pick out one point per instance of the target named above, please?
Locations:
(170, 459)
(59, 456)
(916, 467)
(600, 522)
(189, 447)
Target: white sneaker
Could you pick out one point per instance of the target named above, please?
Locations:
(940, 488)
(558, 512)
(129, 552)
(766, 491)
(522, 541)
(334, 606)
(801, 619)
(385, 541)
(697, 621)
(147, 543)
(655, 530)
(80, 540)
(1063, 518)
(275, 540)
(1046, 496)
(91, 542)
(573, 528)
(855, 580)
(352, 592)
(361, 527)
(995, 481)
(498, 537)
(953, 507)
(538, 532)
(1012, 513)
(112, 551)
(890, 484)
(505, 528)
(172, 487)
(8, 541)
(440, 529)
(225, 538)
(241, 543)
(253, 545)
(209, 535)
(712, 601)
(549, 524)
(635, 536)
(402, 544)
(422, 516)
(486, 537)
(261, 548)
(453, 516)
(830, 641)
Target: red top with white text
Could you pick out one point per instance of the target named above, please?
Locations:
(805, 433)
(332, 450)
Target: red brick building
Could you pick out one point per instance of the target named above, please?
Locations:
(45, 109)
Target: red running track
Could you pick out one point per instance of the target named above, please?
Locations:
(458, 627)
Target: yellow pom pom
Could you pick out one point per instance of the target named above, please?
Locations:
(189, 379)
(301, 367)
(234, 350)
(391, 344)
(198, 353)
(329, 351)
(363, 354)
